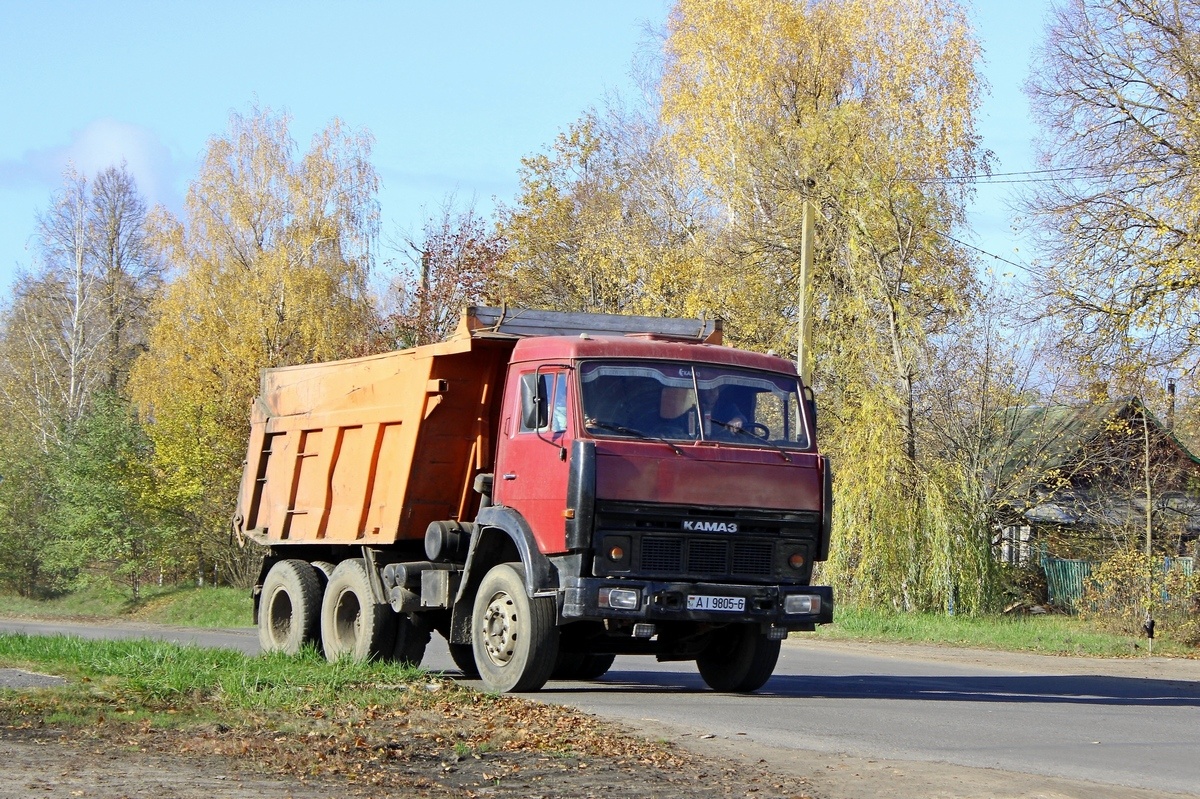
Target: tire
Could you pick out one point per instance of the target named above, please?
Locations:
(567, 665)
(740, 659)
(289, 609)
(411, 640)
(324, 569)
(463, 656)
(352, 624)
(580, 666)
(594, 667)
(514, 637)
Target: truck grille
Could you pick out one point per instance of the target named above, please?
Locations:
(707, 557)
(662, 554)
(662, 549)
(753, 557)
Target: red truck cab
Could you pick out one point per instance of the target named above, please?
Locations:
(676, 488)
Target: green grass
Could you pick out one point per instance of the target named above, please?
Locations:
(185, 606)
(376, 724)
(98, 601)
(200, 607)
(1046, 634)
(164, 678)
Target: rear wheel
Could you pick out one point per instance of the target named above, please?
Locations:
(289, 608)
(740, 659)
(463, 656)
(353, 625)
(411, 640)
(324, 569)
(513, 635)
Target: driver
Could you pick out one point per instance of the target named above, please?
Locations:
(676, 414)
(723, 416)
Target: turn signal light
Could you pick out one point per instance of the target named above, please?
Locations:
(797, 560)
(613, 553)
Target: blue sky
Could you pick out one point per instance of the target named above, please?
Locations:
(455, 93)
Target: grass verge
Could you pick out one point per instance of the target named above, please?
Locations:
(375, 723)
(184, 606)
(1049, 634)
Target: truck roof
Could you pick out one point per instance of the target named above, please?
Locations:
(543, 348)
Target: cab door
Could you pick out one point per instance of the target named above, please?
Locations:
(531, 464)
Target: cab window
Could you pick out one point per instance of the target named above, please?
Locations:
(543, 402)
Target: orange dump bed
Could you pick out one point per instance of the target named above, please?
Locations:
(370, 450)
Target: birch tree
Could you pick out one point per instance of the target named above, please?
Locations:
(129, 270)
(54, 322)
(1114, 90)
(75, 319)
(270, 260)
(602, 223)
(452, 264)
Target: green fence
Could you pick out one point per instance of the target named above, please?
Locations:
(1065, 578)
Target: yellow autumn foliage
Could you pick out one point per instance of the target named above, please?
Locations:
(270, 261)
(597, 227)
(864, 109)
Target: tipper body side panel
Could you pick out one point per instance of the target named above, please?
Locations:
(370, 450)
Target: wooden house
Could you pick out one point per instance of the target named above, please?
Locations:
(1081, 482)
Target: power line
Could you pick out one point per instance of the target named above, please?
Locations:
(1042, 175)
(1001, 258)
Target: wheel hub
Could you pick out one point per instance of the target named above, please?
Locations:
(500, 629)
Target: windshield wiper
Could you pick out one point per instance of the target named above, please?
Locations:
(739, 429)
(629, 431)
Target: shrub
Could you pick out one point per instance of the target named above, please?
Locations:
(1130, 586)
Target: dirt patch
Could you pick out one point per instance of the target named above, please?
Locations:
(56, 765)
(125, 764)
(116, 764)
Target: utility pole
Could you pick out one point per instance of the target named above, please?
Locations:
(1148, 625)
(804, 311)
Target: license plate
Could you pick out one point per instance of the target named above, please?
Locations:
(733, 604)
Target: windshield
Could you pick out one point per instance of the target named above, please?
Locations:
(686, 402)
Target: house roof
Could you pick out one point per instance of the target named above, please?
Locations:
(1035, 442)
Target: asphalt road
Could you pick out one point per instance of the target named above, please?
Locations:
(1117, 723)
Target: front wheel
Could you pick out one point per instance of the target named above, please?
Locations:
(513, 635)
(740, 659)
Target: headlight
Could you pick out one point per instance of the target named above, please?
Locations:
(619, 598)
(802, 603)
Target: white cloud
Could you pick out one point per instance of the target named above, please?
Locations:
(102, 143)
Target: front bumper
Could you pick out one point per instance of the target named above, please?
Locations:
(667, 601)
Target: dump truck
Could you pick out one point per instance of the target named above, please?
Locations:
(547, 491)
